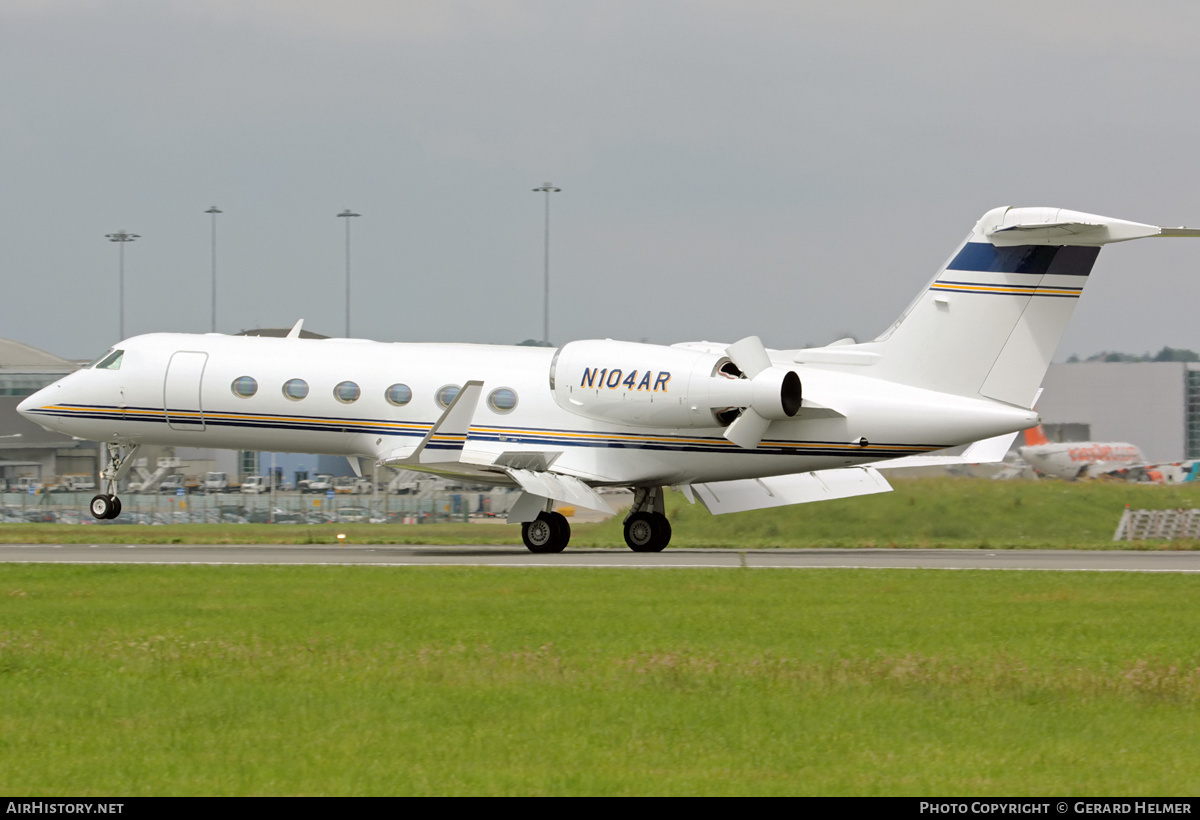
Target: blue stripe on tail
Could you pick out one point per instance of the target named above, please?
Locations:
(1034, 259)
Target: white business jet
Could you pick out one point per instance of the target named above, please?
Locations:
(737, 426)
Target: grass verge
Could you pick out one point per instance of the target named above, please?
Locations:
(410, 681)
(936, 512)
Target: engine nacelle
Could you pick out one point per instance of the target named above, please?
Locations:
(655, 386)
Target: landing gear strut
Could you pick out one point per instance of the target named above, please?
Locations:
(549, 532)
(107, 505)
(646, 527)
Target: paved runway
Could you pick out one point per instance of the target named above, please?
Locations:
(467, 555)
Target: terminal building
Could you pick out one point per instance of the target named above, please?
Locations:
(1154, 405)
(25, 448)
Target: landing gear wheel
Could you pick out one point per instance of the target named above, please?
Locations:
(664, 530)
(105, 506)
(549, 532)
(647, 532)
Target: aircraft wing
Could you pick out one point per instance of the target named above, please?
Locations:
(539, 486)
(781, 491)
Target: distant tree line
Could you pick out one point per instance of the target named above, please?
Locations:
(1167, 354)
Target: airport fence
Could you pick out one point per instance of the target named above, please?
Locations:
(1139, 525)
(266, 508)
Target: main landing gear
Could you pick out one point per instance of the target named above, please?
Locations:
(549, 532)
(107, 505)
(646, 527)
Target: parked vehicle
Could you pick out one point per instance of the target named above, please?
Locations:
(77, 483)
(351, 485)
(27, 484)
(319, 484)
(353, 515)
(256, 484)
(219, 483)
(172, 484)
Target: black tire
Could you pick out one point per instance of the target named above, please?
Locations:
(549, 532)
(564, 529)
(645, 532)
(664, 530)
(101, 507)
(105, 507)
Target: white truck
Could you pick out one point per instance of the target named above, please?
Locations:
(219, 483)
(318, 484)
(255, 484)
(352, 485)
(77, 483)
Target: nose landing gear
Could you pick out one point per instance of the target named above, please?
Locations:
(107, 505)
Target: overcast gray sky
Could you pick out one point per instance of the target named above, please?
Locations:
(794, 170)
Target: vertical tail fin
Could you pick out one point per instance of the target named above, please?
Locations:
(1035, 436)
(990, 320)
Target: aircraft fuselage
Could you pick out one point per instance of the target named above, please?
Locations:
(379, 400)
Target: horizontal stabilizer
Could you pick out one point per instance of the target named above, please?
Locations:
(780, 491)
(564, 488)
(1007, 227)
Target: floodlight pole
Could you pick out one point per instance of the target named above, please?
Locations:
(547, 189)
(213, 211)
(121, 237)
(346, 214)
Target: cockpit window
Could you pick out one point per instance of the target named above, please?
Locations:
(112, 361)
(96, 360)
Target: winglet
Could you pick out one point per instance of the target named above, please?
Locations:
(444, 441)
(294, 333)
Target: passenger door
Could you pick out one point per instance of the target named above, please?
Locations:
(181, 390)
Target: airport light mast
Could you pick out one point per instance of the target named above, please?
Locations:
(214, 210)
(547, 189)
(122, 237)
(346, 214)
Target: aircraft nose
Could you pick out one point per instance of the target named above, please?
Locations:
(27, 404)
(30, 405)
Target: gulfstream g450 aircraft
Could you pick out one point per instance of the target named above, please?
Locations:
(737, 426)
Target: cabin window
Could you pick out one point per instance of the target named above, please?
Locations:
(112, 361)
(502, 399)
(295, 389)
(447, 394)
(244, 386)
(398, 394)
(347, 392)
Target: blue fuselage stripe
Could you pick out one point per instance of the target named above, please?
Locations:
(519, 436)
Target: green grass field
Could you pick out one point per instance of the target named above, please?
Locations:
(122, 680)
(936, 512)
